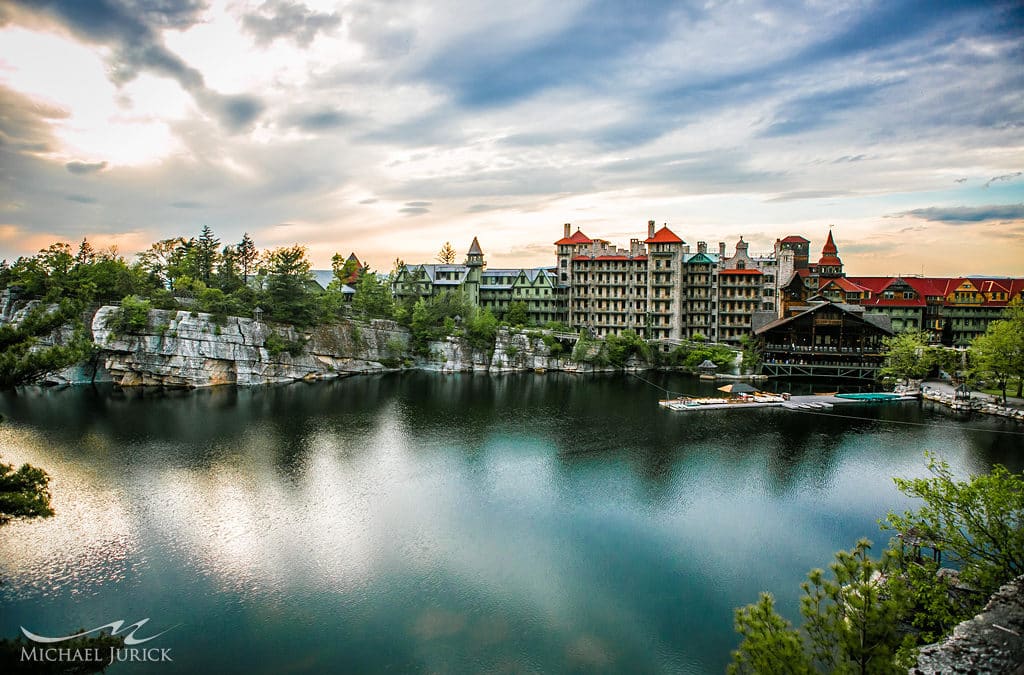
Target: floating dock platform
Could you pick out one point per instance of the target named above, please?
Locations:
(798, 403)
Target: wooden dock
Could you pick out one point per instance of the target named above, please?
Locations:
(797, 403)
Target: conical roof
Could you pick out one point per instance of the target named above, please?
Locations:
(474, 248)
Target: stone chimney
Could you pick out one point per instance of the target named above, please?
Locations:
(702, 247)
(650, 229)
(721, 249)
(568, 226)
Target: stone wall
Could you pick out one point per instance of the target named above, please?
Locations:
(991, 642)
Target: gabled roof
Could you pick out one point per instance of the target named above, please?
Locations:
(854, 311)
(830, 246)
(795, 239)
(845, 285)
(664, 236)
(577, 238)
(699, 258)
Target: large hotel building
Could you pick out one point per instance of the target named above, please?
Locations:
(664, 289)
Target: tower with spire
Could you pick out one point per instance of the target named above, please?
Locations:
(829, 265)
(475, 263)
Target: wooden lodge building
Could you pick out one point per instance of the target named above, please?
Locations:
(824, 339)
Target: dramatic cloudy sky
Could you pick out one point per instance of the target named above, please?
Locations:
(388, 128)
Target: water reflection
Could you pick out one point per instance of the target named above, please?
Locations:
(425, 521)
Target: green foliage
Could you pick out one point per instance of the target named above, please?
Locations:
(619, 348)
(517, 314)
(433, 318)
(394, 347)
(132, 317)
(999, 353)
(851, 623)
(870, 616)
(373, 298)
(276, 345)
(691, 356)
(481, 329)
(978, 524)
(907, 355)
(751, 353)
(555, 347)
(770, 643)
(23, 360)
(23, 493)
(289, 295)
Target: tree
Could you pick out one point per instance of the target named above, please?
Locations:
(373, 298)
(999, 354)
(851, 622)
(206, 254)
(86, 253)
(24, 357)
(978, 523)
(517, 314)
(447, 254)
(247, 257)
(906, 355)
(288, 286)
(23, 493)
(160, 258)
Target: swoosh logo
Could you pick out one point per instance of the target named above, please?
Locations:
(114, 626)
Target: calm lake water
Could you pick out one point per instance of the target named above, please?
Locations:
(436, 523)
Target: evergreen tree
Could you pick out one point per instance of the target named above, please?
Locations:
(289, 298)
(247, 257)
(86, 253)
(373, 298)
(447, 254)
(206, 254)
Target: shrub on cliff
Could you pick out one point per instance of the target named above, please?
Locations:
(132, 317)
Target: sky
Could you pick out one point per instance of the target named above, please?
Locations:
(388, 128)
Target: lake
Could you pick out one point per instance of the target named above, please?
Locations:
(446, 523)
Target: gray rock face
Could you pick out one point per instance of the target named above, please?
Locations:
(186, 349)
(180, 349)
(992, 642)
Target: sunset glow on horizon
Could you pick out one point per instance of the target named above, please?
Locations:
(388, 129)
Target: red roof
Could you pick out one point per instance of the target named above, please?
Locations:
(620, 258)
(895, 302)
(830, 246)
(844, 285)
(803, 272)
(750, 272)
(664, 236)
(795, 239)
(577, 238)
(829, 260)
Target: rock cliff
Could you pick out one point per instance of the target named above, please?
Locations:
(991, 642)
(185, 349)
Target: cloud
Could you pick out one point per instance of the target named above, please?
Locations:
(959, 215)
(25, 123)
(418, 204)
(318, 119)
(1004, 177)
(187, 204)
(81, 199)
(414, 210)
(371, 200)
(81, 168)
(281, 19)
(810, 194)
(132, 31)
(960, 180)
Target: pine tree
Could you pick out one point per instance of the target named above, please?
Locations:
(206, 254)
(447, 254)
(247, 257)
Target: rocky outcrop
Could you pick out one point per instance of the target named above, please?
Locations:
(187, 349)
(191, 349)
(992, 642)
